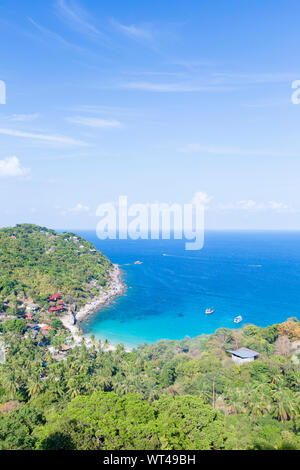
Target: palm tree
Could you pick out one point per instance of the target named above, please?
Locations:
(284, 405)
(74, 387)
(105, 384)
(34, 385)
(236, 399)
(122, 388)
(93, 339)
(256, 406)
(172, 390)
(277, 379)
(10, 383)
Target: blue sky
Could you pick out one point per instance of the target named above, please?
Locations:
(153, 100)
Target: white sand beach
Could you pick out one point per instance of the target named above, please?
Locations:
(116, 288)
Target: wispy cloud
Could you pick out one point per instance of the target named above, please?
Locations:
(78, 18)
(110, 112)
(54, 36)
(215, 150)
(268, 103)
(173, 87)
(133, 31)
(153, 73)
(94, 122)
(79, 208)
(255, 206)
(56, 139)
(11, 167)
(23, 117)
(193, 64)
(194, 81)
(201, 198)
(252, 78)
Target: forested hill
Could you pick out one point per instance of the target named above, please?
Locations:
(182, 395)
(36, 262)
(188, 394)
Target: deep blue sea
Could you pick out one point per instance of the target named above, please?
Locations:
(253, 274)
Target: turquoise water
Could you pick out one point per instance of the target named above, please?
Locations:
(253, 274)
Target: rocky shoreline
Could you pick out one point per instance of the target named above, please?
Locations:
(116, 288)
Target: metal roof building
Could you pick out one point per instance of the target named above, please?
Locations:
(242, 355)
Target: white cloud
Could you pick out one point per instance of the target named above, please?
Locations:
(77, 18)
(255, 206)
(10, 166)
(201, 198)
(251, 205)
(253, 78)
(23, 117)
(268, 103)
(196, 82)
(78, 209)
(279, 206)
(215, 150)
(173, 87)
(193, 64)
(133, 31)
(94, 122)
(44, 137)
(51, 36)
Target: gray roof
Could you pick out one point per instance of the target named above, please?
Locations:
(244, 353)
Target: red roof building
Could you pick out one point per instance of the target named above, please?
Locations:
(55, 297)
(59, 308)
(46, 328)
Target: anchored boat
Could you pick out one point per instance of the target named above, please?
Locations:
(209, 311)
(238, 319)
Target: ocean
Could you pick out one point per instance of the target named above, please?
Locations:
(253, 274)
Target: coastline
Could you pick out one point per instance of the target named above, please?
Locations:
(116, 288)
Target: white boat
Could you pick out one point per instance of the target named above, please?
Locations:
(209, 311)
(238, 319)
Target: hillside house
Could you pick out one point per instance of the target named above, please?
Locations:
(45, 329)
(242, 355)
(59, 308)
(54, 297)
(2, 353)
(32, 308)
